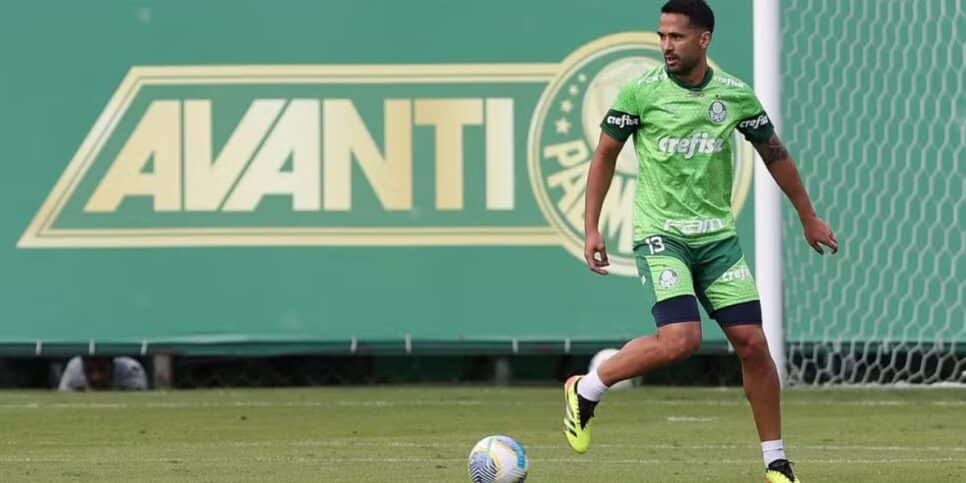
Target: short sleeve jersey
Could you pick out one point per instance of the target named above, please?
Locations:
(682, 137)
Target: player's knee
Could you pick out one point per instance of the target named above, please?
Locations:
(751, 346)
(681, 345)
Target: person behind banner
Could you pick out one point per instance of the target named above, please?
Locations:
(101, 373)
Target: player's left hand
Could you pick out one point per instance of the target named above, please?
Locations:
(818, 233)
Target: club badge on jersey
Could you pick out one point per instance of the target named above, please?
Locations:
(717, 112)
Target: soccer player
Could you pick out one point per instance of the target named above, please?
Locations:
(682, 116)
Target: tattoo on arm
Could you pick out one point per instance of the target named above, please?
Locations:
(772, 150)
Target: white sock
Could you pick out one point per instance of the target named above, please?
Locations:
(590, 387)
(770, 450)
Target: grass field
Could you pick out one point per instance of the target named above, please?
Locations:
(421, 434)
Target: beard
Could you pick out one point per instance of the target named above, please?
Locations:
(682, 67)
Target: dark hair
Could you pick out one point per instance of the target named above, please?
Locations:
(698, 12)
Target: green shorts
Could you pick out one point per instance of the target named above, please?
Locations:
(715, 272)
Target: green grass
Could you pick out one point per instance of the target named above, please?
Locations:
(421, 434)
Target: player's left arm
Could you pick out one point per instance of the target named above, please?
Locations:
(782, 168)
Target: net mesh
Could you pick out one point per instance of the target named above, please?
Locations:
(873, 113)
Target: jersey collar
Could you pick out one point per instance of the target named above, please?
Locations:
(704, 82)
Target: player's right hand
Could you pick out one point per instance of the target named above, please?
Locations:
(595, 253)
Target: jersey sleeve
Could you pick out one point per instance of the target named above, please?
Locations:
(624, 117)
(755, 124)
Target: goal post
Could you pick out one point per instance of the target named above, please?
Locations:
(768, 197)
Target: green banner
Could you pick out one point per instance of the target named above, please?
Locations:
(228, 178)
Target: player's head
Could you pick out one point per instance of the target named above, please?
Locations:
(685, 30)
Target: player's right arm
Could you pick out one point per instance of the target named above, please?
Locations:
(620, 123)
(598, 181)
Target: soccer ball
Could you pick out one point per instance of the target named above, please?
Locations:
(498, 459)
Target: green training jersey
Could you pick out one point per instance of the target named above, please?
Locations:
(682, 137)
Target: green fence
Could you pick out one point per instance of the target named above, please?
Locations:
(873, 107)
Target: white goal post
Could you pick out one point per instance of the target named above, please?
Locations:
(768, 197)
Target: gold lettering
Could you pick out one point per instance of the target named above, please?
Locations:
(207, 180)
(499, 154)
(345, 136)
(295, 136)
(573, 182)
(568, 153)
(157, 137)
(448, 116)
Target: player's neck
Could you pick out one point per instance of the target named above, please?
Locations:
(696, 79)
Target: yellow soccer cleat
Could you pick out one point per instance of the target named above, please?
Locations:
(780, 471)
(577, 433)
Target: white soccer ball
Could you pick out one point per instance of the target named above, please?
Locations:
(599, 359)
(498, 459)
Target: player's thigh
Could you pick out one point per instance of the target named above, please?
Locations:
(664, 267)
(725, 285)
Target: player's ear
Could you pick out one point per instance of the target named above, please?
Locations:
(705, 39)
